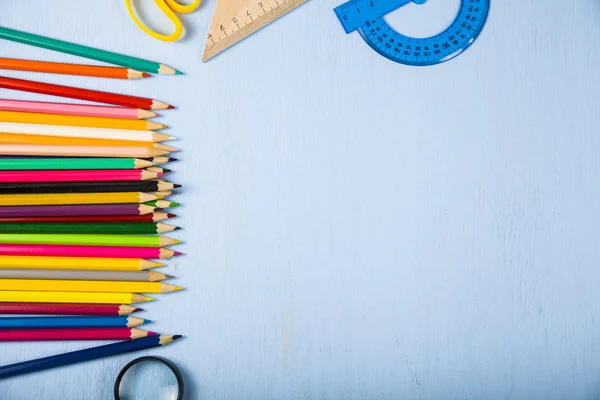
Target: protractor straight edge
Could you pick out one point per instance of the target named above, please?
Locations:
(234, 20)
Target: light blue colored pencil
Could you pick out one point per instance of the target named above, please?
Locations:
(70, 322)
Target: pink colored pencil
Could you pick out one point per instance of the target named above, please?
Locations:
(49, 250)
(21, 335)
(75, 109)
(77, 175)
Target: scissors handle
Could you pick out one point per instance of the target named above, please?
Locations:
(168, 7)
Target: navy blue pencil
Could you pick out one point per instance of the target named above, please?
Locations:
(93, 353)
(70, 322)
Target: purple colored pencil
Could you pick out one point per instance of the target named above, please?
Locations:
(75, 210)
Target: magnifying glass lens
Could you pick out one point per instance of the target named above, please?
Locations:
(149, 380)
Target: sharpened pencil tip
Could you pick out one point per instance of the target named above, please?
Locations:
(176, 228)
(178, 72)
(175, 337)
(177, 288)
(137, 309)
(150, 333)
(171, 215)
(147, 321)
(171, 159)
(170, 107)
(177, 253)
(176, 186)
(145, 74)
(148, 298)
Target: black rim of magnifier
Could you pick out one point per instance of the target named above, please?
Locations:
(168, 363)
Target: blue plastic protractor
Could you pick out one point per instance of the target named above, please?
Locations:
(366, 16)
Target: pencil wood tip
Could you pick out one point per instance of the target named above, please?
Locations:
(166, 70)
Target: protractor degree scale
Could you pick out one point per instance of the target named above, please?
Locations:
(367, 16)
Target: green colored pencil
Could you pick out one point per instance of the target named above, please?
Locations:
(86, 240)
(87, 52)
(26, 164)
(162, 203)
(74, 227)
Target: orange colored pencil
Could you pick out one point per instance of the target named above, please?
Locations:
(71, 69)
(9, 138)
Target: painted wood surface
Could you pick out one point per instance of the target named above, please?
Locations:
(357, 229)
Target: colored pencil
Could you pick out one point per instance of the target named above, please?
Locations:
(47, 285)
(161, 160)
(87, 187)
(70, 227)
(82, 94)
(78, 175)
(84, 132)
(100, 219)
(31, 273)
(159, 170)
(29, 335)
(77, 210)
(74, 198)
(80, 151)
(76, 121)
(43, 140)
(74, 263)
(162, 203)
(76, 239)
(71, 69)
(85, 251)
(83, 110)
(87, 52)
(67, 309)
(72, 297)
(70, 322)
(29, 164)
(93, 353)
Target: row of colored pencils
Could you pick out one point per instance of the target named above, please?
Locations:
(83, 199)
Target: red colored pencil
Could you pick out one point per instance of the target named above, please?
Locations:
(82, 94)
(67, 309)
(154, 217)
(22, 335)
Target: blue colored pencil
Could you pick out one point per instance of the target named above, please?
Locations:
(93, 353)
(70, 322)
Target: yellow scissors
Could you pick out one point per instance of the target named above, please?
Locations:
(169, 7)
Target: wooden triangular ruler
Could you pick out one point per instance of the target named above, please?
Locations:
(234, 20)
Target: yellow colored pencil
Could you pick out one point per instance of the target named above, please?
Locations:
(72, 297)
(97, 263)
(61, 285)
(38, 199)
(72, 120)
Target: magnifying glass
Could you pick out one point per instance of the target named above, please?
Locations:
(149, 378)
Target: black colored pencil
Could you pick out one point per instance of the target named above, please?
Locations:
(86, 187)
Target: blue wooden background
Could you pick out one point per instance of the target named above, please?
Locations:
(359, 229)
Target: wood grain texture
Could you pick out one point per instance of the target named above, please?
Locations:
(358, 229)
